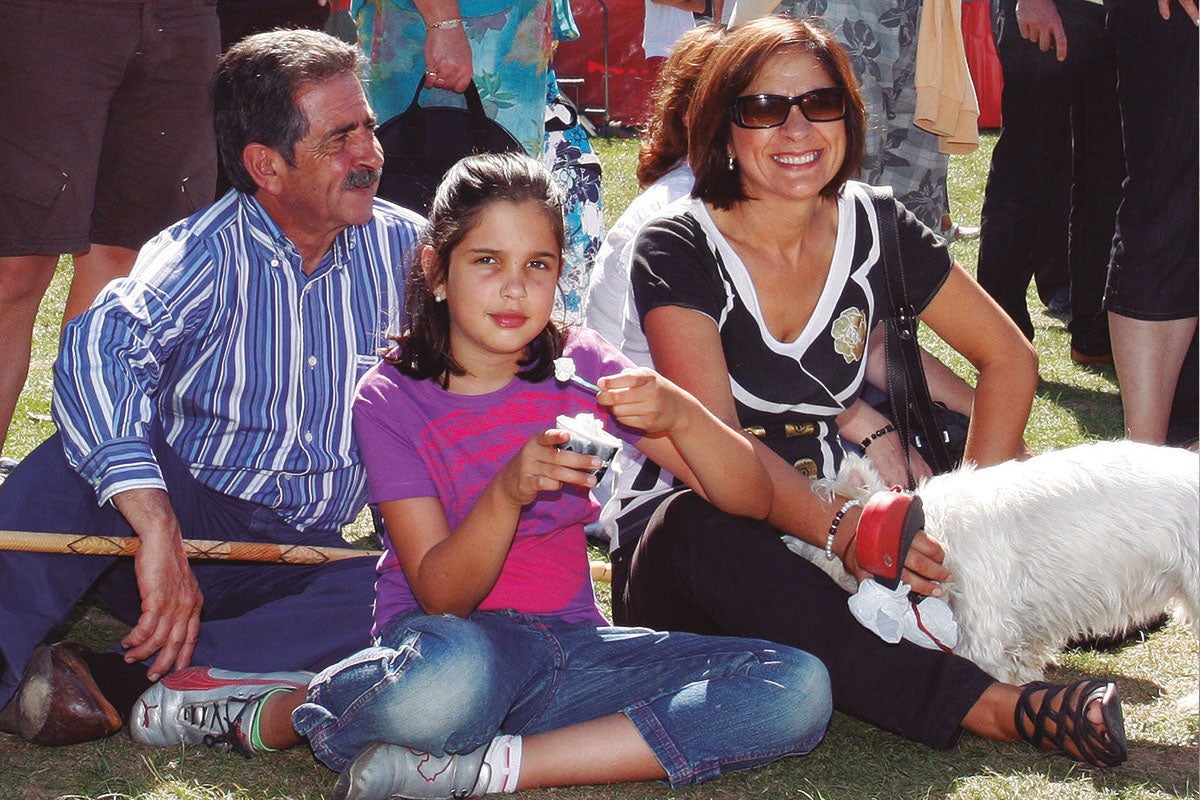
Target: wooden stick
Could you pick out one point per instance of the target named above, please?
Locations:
(66, 543)
(35, 542)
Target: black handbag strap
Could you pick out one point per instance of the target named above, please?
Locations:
(479, 118)
(908, 391)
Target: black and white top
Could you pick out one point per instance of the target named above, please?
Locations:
(788, 392)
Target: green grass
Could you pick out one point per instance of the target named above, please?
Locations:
(855, 762)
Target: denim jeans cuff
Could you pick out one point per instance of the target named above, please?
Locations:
(680, 772)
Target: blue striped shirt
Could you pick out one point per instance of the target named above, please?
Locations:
(248, 363)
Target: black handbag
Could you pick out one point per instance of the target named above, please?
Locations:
(938, 433)
(422, 143)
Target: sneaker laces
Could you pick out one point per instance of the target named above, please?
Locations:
(225, 729)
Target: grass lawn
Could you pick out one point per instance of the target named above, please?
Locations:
(855, 762)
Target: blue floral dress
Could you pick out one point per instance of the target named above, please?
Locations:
(511, 45)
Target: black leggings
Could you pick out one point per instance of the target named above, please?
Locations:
(699, 569)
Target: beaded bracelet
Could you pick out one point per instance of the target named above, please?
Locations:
(833, 526)
(445, 24)
(884, 431)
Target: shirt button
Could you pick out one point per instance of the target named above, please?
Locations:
(274, 262)
(308, 436)
(312, 361)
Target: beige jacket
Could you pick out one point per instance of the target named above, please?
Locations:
(946, 102)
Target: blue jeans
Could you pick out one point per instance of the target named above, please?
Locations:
(705, 705)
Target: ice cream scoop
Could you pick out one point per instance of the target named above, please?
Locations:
(564, 372)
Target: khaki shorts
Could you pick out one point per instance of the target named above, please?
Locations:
(107, 121)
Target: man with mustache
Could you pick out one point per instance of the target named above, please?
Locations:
(207, 396)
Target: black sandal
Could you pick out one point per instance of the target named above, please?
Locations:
(1070, 722)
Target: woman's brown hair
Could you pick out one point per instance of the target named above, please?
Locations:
(664, 142)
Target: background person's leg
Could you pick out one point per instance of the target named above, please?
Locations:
(23, 281)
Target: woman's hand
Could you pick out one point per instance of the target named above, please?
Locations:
(448, 63)
(923, 567)
(859, 423)
(690, 441)
(540, 466)
(887, 456)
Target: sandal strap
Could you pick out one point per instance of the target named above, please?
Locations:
(1070, 723)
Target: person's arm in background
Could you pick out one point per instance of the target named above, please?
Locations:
(448, 62)
(860, 423)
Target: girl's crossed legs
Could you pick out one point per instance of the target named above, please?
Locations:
(594, 705)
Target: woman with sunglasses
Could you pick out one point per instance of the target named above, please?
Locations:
(756, 295)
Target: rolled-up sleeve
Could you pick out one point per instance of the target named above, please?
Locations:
(111, 362)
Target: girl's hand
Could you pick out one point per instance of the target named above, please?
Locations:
(641, 398)
(541, 467)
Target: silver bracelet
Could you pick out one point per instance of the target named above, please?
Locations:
(445, 24)
(833, 526)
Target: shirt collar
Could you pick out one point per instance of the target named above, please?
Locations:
(268, 232)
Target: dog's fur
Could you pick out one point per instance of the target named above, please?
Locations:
(1095, 539)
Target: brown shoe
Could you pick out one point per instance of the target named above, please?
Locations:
(1083, 359)
(57, 701)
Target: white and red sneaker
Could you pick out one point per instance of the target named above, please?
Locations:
(214, 707)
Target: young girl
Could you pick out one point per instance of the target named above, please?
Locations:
(494, 670)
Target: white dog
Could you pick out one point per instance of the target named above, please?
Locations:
(1090, 540)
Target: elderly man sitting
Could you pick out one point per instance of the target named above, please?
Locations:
(208, 396)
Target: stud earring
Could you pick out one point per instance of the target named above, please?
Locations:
(438, 297)
(730, 164)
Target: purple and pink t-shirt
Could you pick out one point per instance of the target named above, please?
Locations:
(419, 440)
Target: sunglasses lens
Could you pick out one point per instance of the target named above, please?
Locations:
(771, 110)
(762, 111)
(824, 105)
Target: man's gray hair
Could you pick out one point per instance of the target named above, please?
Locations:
(255, 87)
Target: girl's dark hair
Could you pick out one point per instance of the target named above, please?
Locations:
(465, 192)
(664, 141)
(732, 66)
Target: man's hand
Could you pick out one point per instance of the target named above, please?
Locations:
(1040, 23)
(171, 600)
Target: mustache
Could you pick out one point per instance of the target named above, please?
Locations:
(362, 178)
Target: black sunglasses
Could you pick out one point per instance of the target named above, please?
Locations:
(771, 110)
